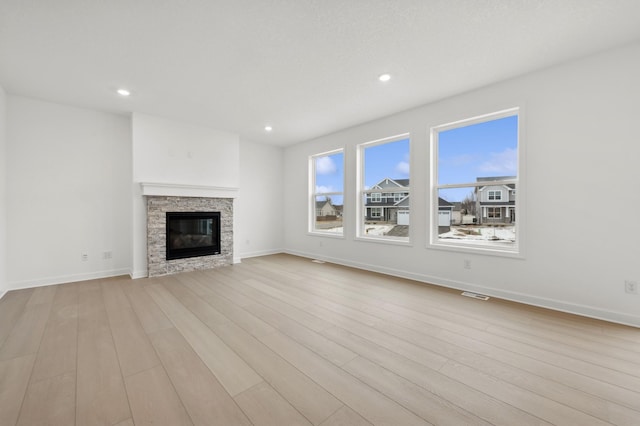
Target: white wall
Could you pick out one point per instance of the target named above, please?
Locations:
(3, 193)
(168, 151)
(68, 193)
(580, 242)
(259, 207)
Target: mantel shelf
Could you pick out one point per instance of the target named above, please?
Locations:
(184, 190)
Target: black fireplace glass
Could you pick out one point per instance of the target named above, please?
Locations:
(192, 234)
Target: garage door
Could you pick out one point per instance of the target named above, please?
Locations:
(444, 218)
(403, 217)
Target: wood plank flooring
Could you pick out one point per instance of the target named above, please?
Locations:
(279, 340)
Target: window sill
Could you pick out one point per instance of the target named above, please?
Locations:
(326, 234)
(477, 248)
(386, 240)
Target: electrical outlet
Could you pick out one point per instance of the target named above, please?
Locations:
(106, 255)
(84, 257)
(467, 264)
(631, 287)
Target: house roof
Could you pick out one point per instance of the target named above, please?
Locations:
(494, 178)
(444, 203)
(497, 203)
(489, 179)
(381, 204)
(320, 204)
(400, 183)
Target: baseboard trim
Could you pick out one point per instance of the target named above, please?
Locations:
(18, 285)
(260, 253)
(138, 274)
(556, 305)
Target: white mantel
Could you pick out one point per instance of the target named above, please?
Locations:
(184, 190)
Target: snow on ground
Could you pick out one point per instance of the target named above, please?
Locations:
(377, 230)
(482, 233)
(471, 234)
(337, 230)
(373, 230)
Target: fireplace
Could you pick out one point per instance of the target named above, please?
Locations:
(192, 234)
(188, 233)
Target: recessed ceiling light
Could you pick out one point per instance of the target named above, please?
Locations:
(385, 77)
(123, 92)
(268, 128)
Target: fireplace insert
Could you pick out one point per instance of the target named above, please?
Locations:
(192, 234)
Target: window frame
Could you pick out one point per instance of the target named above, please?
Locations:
(494, 212)
(433, 240)
(494, 192)
(312, 210)
(362, 193)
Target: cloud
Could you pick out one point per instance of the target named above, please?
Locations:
(458, 160)
(325, 166)
(402, 168)
(505, 162)
(321, 189)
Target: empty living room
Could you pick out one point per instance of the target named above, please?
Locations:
(319, 213)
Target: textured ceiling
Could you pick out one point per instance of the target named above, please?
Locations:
(306, 67)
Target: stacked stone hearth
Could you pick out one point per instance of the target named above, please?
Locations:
(158, 206)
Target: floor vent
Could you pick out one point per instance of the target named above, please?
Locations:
(318, 261)
(475, 295)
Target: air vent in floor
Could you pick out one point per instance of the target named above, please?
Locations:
(475, 295)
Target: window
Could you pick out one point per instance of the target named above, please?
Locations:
(494, 212)
(326, 188)
(475, 167)
(495, 195)
(383, 186)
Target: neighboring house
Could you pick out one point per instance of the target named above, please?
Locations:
(338, 209)
(496, 203)
(445, 212)
(384, 205)
(326, 209)
(393, 207)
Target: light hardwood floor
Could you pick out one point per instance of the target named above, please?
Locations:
(279, 340)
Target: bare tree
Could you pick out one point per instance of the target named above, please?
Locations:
(468, 204)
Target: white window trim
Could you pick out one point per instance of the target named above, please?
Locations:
(494, 209)
(433, 242)
(312, 194)
(362, 193)
(495, 192)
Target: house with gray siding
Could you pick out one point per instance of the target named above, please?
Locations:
(496, 202)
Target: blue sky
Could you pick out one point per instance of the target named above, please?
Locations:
(480, 150)
(330, 176)
(389, 160)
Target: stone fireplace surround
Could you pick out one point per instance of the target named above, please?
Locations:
(163, 198)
